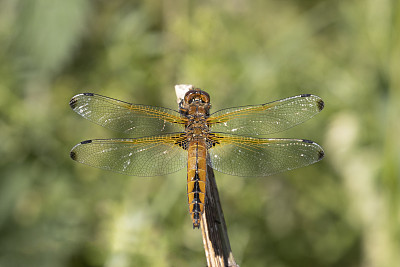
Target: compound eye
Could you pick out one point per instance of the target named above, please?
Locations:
(205, 98)
(197, 96)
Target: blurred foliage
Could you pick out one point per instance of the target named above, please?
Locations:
(343, 211)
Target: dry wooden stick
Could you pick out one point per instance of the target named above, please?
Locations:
(215, 235)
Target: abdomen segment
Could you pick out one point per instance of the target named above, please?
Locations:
(196, 179)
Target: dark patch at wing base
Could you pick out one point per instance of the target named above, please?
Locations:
(148, 156)
(248, 156)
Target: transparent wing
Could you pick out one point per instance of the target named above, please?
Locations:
(150, 156)
(136, 120)
(248, 156)
(266, 118)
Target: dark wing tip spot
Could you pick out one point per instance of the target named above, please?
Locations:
(86, 142)
(321, 154)
(72, 102)
(88, 94)
(305, 95)
(72, 154)
(320, 105)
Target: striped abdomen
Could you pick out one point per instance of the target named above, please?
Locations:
(196, 179)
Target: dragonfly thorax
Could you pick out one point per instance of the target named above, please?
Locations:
(197, 126)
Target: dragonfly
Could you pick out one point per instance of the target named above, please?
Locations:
(163, 141)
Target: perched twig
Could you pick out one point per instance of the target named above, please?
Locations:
(215, 235)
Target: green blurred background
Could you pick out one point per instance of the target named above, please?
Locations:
(343, 211)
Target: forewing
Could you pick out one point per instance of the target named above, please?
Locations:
(266, 118)
(247, 156)
(150, 156)
(136, 120)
